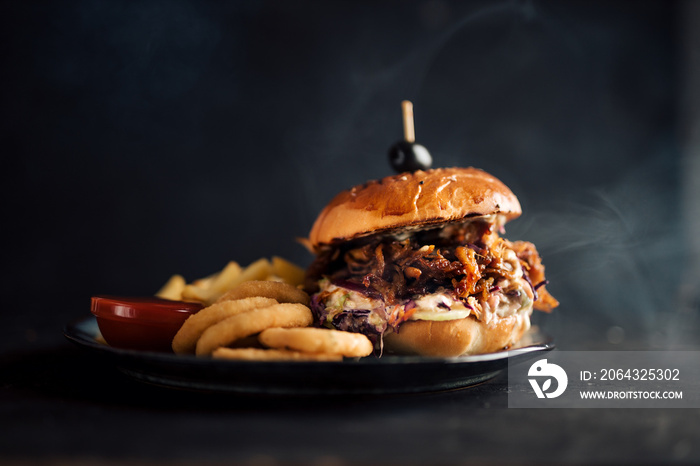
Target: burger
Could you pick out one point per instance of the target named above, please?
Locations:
(415, 261)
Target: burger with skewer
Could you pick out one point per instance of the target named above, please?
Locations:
(416, 262)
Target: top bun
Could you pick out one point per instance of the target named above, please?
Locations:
(415, 199)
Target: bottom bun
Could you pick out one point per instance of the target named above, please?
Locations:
(457, 337)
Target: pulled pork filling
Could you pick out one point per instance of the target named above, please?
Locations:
(374, 284)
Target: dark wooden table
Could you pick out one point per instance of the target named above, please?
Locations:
(62, 405)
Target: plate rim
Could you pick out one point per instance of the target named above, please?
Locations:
(374, 376)
(74, 332)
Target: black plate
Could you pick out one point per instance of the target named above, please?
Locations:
(388, 374)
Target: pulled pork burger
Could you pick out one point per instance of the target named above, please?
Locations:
(415, 262)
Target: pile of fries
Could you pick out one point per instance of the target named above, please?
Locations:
(209, 289)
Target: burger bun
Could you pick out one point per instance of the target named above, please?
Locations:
(412, 200)
(456, 337)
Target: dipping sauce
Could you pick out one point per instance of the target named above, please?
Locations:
(140, 323)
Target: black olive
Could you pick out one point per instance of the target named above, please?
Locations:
(407, 156)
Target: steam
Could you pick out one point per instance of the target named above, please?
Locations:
(347, 132)
(616, 253)
(418, 63)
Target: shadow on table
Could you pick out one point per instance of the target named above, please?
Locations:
(61, 394)
(70, 374)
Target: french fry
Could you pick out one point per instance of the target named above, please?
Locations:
(193, 292)
(258, 270)
(208, 289)
(205, 283)
(224, 279)
(287, 271)
(274, 278)
(214, 285)
(172, 288)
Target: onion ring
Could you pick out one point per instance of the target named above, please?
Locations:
(185, 340)
(279, 291)
(248, 323)
(257, 354)
(317, 340)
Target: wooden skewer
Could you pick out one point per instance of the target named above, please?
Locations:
(408, 130)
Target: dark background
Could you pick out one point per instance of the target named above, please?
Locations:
(144, 139)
